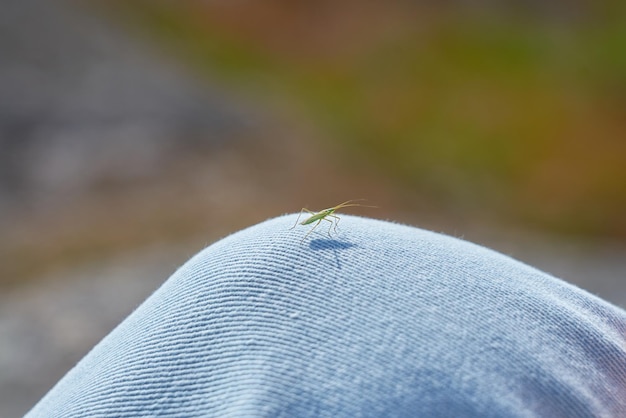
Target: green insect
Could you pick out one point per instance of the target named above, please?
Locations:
(324, 214)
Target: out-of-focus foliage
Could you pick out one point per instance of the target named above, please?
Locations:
(518, 110)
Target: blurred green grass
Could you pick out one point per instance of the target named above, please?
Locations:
(514, 113)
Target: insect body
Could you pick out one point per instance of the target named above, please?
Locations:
(323, 215)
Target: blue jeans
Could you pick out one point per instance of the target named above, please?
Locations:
(379, 320)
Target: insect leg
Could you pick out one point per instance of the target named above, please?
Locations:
(330, 226)
(335, 222)
(312, 229)
(299, 215)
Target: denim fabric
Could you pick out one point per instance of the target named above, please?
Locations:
(381, 320)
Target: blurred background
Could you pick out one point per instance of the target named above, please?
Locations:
(134, 133)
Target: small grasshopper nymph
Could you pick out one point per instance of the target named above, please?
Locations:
(323, 215)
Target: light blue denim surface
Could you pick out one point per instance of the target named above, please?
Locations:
(381, 320)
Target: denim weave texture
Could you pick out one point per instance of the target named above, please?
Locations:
(377, 320)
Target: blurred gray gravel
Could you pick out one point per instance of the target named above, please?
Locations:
(82, 102)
